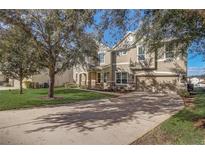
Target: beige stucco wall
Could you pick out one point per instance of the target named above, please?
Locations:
(176, 65)
(60, 79)
(165, 72)
(77, 70)
(107, 59)
(123, 68)
(41, 78)
(2, 78)
(132, 57)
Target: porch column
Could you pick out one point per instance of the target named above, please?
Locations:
(89, 79)
(136, 82)
(85, 75)
(80, 79)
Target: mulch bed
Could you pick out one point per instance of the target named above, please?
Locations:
(154, 137)
(200, 123)
(189, 101)
(54, 98)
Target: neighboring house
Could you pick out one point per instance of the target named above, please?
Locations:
(197, 81)
(5, 82)
(2, 80)
(194, 80)
(129, 65)
(60, 79)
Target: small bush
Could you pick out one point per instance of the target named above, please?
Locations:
(32, 85)
(183, 93)
(7, 85)
(28, 84)
(70, 85)
(83, 86)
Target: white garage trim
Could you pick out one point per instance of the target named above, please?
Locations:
(164, 72)
(156, 73)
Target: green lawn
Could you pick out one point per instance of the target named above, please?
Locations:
(180, 129)
(33, 97)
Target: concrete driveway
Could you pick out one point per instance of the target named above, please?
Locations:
(8, 88)
(109, 121)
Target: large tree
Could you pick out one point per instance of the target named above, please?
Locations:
(18, 59)
(184, 29)
(60, 37)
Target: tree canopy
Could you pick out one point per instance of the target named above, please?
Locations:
(59, 36)
(63, 40)
(18, 59)
(184, 29)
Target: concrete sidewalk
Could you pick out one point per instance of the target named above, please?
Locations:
(109, 121)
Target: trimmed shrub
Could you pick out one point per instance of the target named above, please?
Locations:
(183, 93)
(70, 85)
(28, 84)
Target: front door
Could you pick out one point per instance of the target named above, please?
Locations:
(92, 79)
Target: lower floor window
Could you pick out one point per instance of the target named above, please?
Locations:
(121, 77)
(118, 77)
(124, 77)
(106, 76)
(99, 78)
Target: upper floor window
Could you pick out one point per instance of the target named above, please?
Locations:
(121, 53)
(141, 53)
(168, 52)
(124, 52)
(118, 53)
(101, 57)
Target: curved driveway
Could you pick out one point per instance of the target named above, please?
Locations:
(109, 121)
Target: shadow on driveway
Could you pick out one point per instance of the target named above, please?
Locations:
(89, 115)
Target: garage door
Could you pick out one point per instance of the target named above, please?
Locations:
(157, 83)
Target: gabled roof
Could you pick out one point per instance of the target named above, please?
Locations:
(119, 42)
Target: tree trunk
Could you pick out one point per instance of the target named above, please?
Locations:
(51, 83)
(21, 87)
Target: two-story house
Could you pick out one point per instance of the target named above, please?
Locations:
(129, 65)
